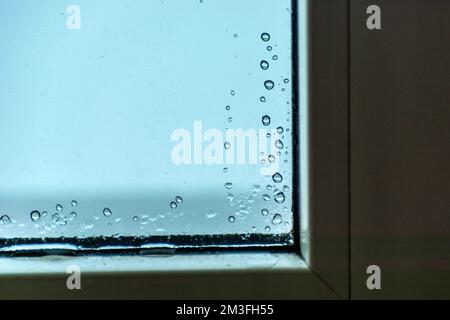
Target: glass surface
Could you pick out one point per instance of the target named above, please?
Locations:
(115, 118)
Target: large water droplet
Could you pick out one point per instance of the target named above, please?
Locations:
(179, 199)
(4, 220)
(277, 219)
(264, 65)
(265, 37)
(269, 84)
(107, 212)
(279, 144)
(279, 197)
(277, 178)
(35, 216)
(266, 120)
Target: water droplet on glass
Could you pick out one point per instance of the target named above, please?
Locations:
(286, 80)
(264, 65)
(279, 197)
(266, 120)
(4, 220)
(74, 214)
(268, 187)
(269, 84)
(267, 229)
(179, 199)
(227, 145)
(74, 203)
(280, 130)
(262, 99)
(135, 218)
(277, 178)
(35, 216)
(225, 170)
(228, 108)
(173, 205)
(271, 158)
(265, 37)
(266, 197)
(228, 185)
(107, 212)
(285, 188)
(264, 212)
(232, 92)
(235, 35)
(279, 144)
(277, 219)
(269, 48)
(231, 219)
(59, 207)
(44, 213)
(275, 58)
(230, 119)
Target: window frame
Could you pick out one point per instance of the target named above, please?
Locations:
(319, 267)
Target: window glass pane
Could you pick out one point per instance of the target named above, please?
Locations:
(115, 122)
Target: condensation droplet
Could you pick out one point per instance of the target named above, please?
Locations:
(277, 219)
(269, 48)
(267, 229)
(35, 216)
(179, 199)
(264, 65)
(279, 197)
(280, 130)
(228, 108)
(286, 80)
(266, 197)
(4, 220)
(173, 205)
(228, 185)
(231, 219)
(262, 99)
(265, 37)
(135, 218)
(271, 158)
(107, 212)
(225, 170)
(230, 119)
(266, 120)
(59, 207)
(277, 178)
(285, 188)
(265, 212)
(269, 84)
(275, 58)
(74, 203)
(227, 145)
(232, 92)
(279, 144)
